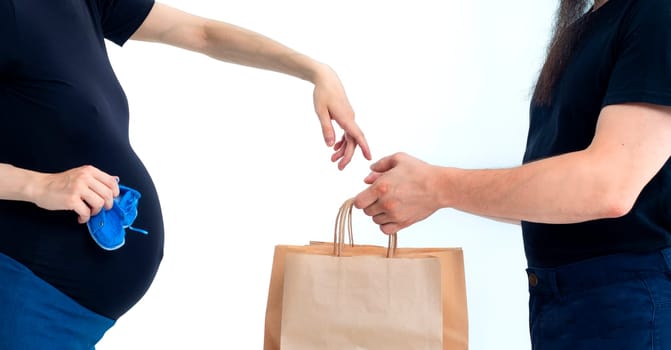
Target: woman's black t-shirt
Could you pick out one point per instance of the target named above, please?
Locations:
(623, 55)
(61, 107)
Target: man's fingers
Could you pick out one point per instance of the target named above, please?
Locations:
(373, 210)
(365, 199)
(390, 228)
(385, 164)
(372, 177)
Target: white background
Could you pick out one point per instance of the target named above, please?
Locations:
(238, 159)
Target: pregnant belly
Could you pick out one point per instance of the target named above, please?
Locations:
(61, 252)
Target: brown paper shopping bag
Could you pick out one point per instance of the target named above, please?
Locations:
(337, 296)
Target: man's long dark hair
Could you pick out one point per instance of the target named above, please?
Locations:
(564, 37)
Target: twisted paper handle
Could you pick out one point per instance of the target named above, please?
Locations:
(344, 223)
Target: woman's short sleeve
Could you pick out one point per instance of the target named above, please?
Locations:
(121, 18)
(642, 71)
(7, 34)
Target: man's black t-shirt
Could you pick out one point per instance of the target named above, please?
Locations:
(623, 56)
(62, 107)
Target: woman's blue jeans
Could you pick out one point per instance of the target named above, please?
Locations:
(36, 316)
(614, 302)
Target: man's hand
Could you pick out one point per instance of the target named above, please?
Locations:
(402, 192)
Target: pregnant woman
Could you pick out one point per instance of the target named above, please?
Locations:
(64, 147)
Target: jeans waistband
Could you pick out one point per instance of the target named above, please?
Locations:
(596, 272)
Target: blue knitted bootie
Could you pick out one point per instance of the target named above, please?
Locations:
(108, 227)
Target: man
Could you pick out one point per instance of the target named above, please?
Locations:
(594, 192)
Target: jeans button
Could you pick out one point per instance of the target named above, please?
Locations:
(533, 279)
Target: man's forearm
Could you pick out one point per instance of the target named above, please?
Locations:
(563, 189)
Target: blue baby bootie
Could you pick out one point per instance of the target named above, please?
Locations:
(108, 228)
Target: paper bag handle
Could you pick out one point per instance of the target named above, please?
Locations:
(344, 223)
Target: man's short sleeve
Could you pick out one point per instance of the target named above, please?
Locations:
(7, 34)
(121, 18)
(642, 70)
